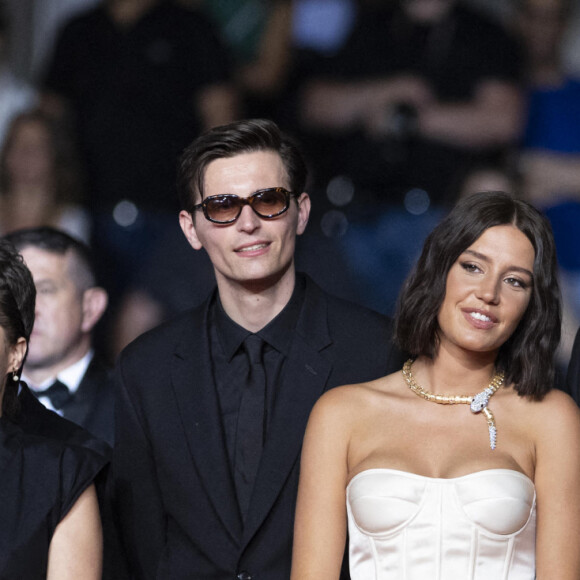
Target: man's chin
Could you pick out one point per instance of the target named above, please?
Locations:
(37, 362)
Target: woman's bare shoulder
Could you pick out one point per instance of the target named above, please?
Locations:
(349, 399)
(556, 414)
(554, 404)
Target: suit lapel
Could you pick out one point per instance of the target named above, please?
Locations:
(199, 411)
(305, 376)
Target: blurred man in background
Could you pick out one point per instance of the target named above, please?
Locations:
(62, 369)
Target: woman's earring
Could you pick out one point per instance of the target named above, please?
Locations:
(14, 376)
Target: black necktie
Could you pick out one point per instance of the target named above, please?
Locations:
(250, 429)
(58, 394)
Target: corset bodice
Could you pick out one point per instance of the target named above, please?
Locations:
(404, 526)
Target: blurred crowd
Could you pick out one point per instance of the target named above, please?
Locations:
(402, 106)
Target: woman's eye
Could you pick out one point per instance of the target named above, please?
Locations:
(469, 267)
(516, 282)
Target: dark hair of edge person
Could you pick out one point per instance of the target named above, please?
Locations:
(226, 141)
(17, 301)
(527, 357)
(82, 268)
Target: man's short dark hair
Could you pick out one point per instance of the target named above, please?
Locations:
(527, 357)
(230, 140)
(82, 269)
(17, 301)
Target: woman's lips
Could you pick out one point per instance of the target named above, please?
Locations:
(480, 319)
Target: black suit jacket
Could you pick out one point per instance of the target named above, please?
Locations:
(174, 491)
(92, 405)
(573, 376)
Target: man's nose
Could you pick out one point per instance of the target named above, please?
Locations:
(248, 220)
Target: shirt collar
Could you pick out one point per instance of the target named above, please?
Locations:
(71, 376)
(229, 333)
(277, 333)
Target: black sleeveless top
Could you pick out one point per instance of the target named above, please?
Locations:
(40, 480)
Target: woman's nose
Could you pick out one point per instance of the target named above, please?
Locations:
(488, 290)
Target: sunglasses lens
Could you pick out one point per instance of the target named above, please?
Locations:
(223, 208)
(270, 202)
(267, 203)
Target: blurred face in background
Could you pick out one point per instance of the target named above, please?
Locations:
(488, 179)
(542, 25)
(59, 315)
(29, 159)
(427, 11)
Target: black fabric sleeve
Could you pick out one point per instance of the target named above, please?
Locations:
(79, 468)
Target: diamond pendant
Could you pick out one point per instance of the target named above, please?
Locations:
(492, 437)
(492, 429)
(480, 401)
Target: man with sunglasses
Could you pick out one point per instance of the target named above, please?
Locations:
(212, 406)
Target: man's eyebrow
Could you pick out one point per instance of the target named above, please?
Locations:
(484, 258)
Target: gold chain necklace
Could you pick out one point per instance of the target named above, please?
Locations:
(477, 403)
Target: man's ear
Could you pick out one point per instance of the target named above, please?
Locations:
(303, 212)
(95, 302)
(188, 228)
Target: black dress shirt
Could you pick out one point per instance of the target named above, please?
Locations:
(229, 360)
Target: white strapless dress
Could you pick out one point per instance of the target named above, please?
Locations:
(404, 526)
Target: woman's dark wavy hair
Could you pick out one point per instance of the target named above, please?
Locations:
(226, 141)
(527, 358)
(17, 300)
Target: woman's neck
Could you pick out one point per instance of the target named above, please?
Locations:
(454, 374)
(253, 305)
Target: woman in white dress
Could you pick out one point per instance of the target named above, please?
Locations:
(432, 481)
